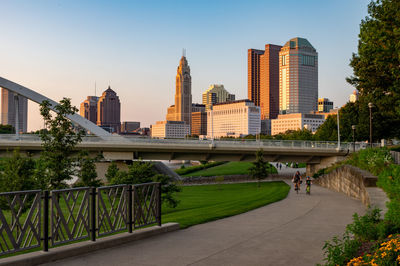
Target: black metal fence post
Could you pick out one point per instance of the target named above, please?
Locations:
(93, 214)
(46, 198)
(130, 208)
(159, 204)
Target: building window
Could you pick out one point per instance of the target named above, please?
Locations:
(283, 60)
(308, 60)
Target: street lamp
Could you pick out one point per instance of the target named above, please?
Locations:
(370, 105)
(353, 127)
(338, 128)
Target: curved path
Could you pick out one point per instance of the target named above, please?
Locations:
(289, 232)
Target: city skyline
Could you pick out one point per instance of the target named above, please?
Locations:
(124, 49)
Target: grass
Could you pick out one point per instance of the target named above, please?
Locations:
(231, 168)
(200, 204)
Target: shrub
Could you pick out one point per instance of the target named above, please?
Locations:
(365, 228)
(338, 251)
(188, 170)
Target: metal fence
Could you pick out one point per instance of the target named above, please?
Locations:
(33, 219)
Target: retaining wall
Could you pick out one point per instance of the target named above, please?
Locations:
(349, 180)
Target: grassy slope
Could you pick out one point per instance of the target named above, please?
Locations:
(200, 204)
(231, 168)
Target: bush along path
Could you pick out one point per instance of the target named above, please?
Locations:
(371, 239)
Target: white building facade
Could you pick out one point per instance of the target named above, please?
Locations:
(295, 122)
(233, 119)
(170, 130)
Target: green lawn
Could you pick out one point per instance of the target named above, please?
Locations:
(200, 204)
(231, 168)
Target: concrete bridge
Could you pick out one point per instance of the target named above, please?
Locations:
(116, 148)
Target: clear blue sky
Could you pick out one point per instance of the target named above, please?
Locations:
(61, 48)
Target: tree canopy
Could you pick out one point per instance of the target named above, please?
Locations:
(376, 67)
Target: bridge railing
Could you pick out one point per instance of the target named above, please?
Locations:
(287, 144)
(33, 219)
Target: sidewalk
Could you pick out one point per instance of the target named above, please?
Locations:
(289, 232)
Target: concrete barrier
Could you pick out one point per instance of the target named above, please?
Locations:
(84, 247)
(349, 180)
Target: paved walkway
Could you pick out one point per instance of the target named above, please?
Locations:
(289, 232)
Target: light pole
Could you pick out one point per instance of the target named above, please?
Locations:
(212, 125)
(370, 105)
(353, 127)
(338, 128)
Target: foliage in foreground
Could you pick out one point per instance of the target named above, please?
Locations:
(59, 141)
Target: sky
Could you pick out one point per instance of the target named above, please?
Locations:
(69, 48)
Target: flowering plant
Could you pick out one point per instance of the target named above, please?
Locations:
(387, 254)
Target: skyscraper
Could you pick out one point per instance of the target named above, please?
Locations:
(269, 82)
(8, 111)
(183, 93)
(88, 108)
(216, 93)
(182, 110)
(253, 78)
(298, 77)
(109, 111)
(263, 79)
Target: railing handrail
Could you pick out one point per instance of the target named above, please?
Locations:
(70, 189)
(94, 214)
(20, 192)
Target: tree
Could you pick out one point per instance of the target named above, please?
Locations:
(328, 130)
(59, 141)
(259, 169)
(17, 173)
(142, 172)
(87, 171)
(112, 171)
(300, 134)
(6, 129)
(376, 69)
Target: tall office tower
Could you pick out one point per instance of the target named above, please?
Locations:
(88, 108)
(298, 77)
(8, 112)
(183, 92)
(109, 111)
(253, 72)
(216, 93)
(269, 82)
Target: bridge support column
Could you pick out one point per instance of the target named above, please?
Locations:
(313, 168)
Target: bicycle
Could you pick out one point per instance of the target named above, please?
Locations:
(308, 189)
(308, 185)
(296, 187)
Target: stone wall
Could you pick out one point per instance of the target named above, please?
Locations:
(349, 180)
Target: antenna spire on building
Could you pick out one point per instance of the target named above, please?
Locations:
(184, 52)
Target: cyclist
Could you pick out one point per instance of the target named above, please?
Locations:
(308, 183)
(297, 181)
